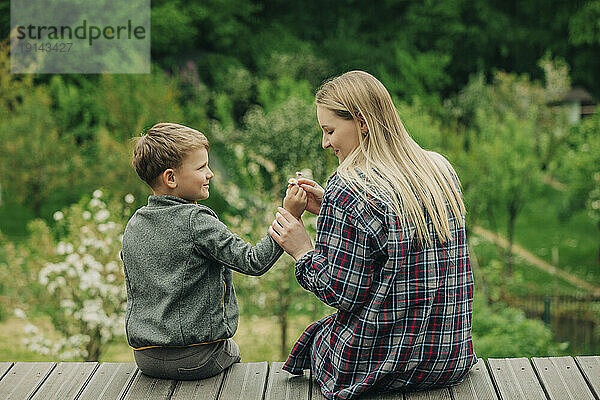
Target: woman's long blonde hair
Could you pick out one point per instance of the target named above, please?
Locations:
(394, 167)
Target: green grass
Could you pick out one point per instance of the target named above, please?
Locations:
(526, 280)
(539, 229)
(258, 338)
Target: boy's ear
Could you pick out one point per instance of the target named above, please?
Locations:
(168, 178)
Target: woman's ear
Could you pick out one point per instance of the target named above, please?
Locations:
(168, 178)
(361, 122)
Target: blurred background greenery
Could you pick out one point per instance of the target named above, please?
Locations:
(505, 90)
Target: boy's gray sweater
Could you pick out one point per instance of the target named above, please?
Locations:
(178, 259)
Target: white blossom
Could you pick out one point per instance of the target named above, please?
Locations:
(129, 198)
(30, 329)
(87, 215)
(102, 215)
(97, 193)
(20, 313)
(61, 248)
(58, 216)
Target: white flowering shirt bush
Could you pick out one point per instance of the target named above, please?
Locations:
(84, 292)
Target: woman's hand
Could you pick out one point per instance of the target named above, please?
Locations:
(314, 195)
(290, 234)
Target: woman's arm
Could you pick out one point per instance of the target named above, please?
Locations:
(339, 270)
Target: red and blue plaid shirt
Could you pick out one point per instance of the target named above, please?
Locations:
(404, 308)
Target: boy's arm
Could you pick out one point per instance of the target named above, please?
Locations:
(295, 201)
(213, 239)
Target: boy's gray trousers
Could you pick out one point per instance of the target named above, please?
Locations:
(188, 363)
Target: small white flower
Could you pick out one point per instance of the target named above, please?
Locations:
(87, 215)
(58, 216)
(61, 248)
(20, 313)
(30, 329)
(95, 202)
(102, 216)
(98, 193)
(129, 198)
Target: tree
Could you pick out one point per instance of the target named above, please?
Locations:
(35, 158)
(501, 172)
(77, 277)
(580, 169)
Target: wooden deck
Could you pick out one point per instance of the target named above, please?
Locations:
(515, 378)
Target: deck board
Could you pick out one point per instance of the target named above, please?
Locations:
(282, 385)
(4, 367)
(515, 379)
(477, 385)
(110, 381)
(590, 368)
(245, 381)
(148, 388)
(23, 379)
(437, 394)
(65, 381)
(561, 378)
(205, 389)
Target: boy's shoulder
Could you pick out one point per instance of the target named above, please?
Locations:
(172, 208)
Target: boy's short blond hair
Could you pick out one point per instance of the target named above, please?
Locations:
(164, 146)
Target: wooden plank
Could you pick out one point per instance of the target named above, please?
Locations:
(514, 379)
(147, 388)
(561, 378)
(245, 381)
(66, 381)
(282, 385)
(4, 367)
(204, 389)
(590, 368)
(477, 385)
(23, 379)
(110, 381)
(387, 396)
(436, 394)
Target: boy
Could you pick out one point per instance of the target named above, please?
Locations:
(181, 305)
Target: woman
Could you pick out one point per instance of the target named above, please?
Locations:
(390, 254)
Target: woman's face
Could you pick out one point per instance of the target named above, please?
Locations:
(341, 135)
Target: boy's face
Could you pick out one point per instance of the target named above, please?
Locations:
(193, 175)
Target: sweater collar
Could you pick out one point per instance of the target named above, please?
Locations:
(165, 200)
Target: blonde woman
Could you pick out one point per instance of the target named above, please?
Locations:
(390, 254)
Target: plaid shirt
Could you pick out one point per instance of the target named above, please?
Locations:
(404, 309)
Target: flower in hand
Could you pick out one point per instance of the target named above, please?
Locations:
(295, 201)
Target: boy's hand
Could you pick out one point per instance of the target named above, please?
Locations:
(295, 201)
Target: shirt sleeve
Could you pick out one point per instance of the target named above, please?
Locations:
(339, 270)
(214, 240)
